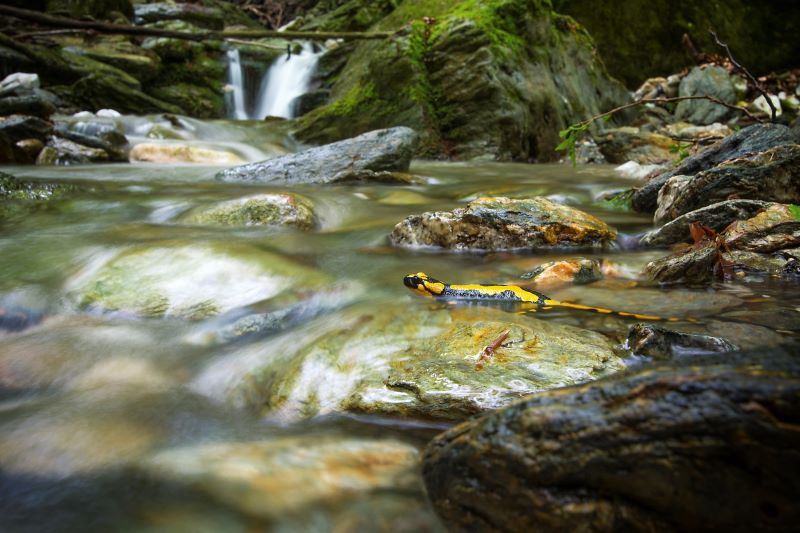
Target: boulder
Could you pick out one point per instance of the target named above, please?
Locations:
(661, 343)
(775, 228)
(772, 176)
(741, 249)
(18, 127)
(33, 104)
(381, 358)
(706, 80)
(531, 73)
(716, 216)
(141, 64)
(275, 209)
(498, 223)
(755, 138)
(19, 82)
(381, 150)
(192, 281)
(95, 93)
(108, 139)
(181, 153)
(65, 152)
(196, 100)
(664, 448)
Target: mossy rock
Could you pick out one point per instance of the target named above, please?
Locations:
(123, 56)
(169, 49)
(192, 280)
(278, 209)
(97, 93)
(99, 9)
(204, 70)
(352, 15)
(389, 358)
(19, 197)
(494, 79)
(194, 100)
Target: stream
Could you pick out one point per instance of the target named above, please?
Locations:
(110, 420)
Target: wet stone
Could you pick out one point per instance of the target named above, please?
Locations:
(659, 449)
(716, 216)
(662, 343)
(499, 223)
(379, 151)
(554, 273)
(181, 153)
(289, 475)
(279, 209)
(752, 139)
(381, 359)
(773, 176)
(192, 281)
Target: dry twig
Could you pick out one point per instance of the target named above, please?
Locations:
(490, 348)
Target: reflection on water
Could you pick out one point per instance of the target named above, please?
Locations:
(111, 417)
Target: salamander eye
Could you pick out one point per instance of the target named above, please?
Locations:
(412, 281)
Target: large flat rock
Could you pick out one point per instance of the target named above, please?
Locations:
(388, 150)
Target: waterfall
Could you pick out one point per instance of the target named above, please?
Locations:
(236, 108)
(286, 79)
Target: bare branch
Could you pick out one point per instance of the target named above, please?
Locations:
(666, 101)
(747, 74)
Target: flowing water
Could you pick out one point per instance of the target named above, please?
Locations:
(113, 421)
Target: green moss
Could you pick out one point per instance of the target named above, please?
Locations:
(795, 211)
(196, 101)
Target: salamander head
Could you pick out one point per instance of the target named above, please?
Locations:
(422, 284)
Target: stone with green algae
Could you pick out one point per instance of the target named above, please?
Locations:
(396, 360)
(273, 209)
(192, 281)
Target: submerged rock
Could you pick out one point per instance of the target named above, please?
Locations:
(279, 209)
(664, 448)
(716, 216)
(498, 223)
(381, 150)
(383, 359)
(662, 343)
(773, 175)
(752, 139)
(18, 197)
(307, 482)
(191, 281)
(181, 153)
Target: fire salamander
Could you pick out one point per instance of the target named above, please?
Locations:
(422, 284)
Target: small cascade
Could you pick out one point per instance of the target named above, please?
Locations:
(235, 97)
(287, 78)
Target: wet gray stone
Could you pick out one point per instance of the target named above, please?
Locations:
(662, 343)
(708, 80)
(388, 150)
(717, 216)
(755, 138)
(665, 448)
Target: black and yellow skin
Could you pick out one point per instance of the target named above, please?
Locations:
(424, 285)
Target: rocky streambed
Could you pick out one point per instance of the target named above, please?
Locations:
(242, 342)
